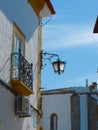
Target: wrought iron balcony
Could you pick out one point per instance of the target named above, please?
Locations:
(21, 75)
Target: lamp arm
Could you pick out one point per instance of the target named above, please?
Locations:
(49, 56)
(58, 65)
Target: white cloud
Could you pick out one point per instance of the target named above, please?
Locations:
(81, 81)
(60, 36)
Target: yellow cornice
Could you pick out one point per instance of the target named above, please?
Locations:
(39, 4)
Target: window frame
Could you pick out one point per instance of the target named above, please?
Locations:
(52, 121)
(17, 31)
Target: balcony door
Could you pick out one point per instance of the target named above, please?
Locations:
(19, 41)
(18, 50)
(18, 44)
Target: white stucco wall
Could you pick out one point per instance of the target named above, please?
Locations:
(59, 104)
(32, 56)
(23, 15)
(8, 119)
(6, 31)
(7, 110)
(52, 102)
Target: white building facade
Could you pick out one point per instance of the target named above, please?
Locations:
(69, 109)
(20, 62)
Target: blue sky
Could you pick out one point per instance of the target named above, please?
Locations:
(70, 35)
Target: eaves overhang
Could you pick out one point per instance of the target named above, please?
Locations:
(38, 5)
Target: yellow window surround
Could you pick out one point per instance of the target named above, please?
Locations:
(22, 85)
(17, 30)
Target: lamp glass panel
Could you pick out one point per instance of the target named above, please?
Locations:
(62, 65)
(55, 66)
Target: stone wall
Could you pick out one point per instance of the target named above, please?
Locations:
(92, 115)
(75, 112)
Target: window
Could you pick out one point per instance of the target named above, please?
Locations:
(18, 46)
(18, 41)
(53, 121)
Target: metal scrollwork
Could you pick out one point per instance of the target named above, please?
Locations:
(22, 69)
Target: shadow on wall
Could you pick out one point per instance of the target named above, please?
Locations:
(21, 13)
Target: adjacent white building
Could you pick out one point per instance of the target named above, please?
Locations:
(73, 108)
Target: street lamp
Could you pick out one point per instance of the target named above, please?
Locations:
(58, 65)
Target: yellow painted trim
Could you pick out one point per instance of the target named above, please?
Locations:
(39, 73)
(37, 5)
(17, 30)
(20, 88)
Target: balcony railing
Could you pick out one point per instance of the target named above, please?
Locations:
(21, 75)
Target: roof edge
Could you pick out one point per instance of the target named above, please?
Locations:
(55, 92)
(51, 7)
